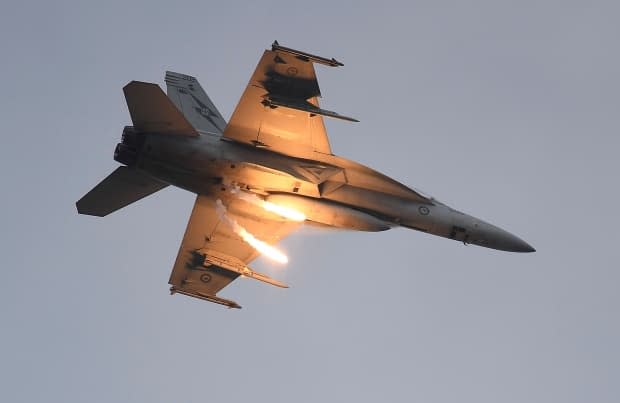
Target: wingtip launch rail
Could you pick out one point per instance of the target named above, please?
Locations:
(307, 57)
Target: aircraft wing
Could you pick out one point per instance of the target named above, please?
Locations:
(279, 108)
(212, 254)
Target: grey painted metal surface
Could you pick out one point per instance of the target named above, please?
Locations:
(274, 150)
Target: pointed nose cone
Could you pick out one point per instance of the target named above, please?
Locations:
(516, 244)
(504, 240)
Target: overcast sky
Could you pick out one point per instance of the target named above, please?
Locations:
(507, 110)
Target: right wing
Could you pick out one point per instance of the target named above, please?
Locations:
(212, 255)
(279, 108)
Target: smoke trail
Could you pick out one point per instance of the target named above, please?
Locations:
(256, 243)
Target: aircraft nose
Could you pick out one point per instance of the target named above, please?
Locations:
(516, 244)
(498, 238)
(511, 243)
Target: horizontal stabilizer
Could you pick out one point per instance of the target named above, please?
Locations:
(121, 188)
(153, 112)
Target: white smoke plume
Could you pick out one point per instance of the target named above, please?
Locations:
(256, 243)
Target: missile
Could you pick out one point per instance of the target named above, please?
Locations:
(237, 266)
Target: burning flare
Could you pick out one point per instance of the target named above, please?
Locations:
(256, 243)
(282, 211)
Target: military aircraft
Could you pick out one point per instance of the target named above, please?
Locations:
(261, 175)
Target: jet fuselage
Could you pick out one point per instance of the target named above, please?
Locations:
(330, 190)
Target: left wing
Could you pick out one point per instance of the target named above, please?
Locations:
(279, 108)
(212, 255)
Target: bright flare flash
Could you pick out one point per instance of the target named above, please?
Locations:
(262, 247)
(256, 243)
(282, 211)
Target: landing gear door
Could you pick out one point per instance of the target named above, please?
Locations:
(459, 231)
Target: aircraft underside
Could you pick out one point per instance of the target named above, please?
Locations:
(261, 175)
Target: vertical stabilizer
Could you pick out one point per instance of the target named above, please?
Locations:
(152, 111)
(193, 101)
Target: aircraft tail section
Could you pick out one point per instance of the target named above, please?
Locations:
(153, 112)
(121, 188)
(193, 101)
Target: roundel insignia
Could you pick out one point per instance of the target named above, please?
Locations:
(292, 71)
(424, 210)
(205, 278)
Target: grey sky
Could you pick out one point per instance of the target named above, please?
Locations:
(507, 110)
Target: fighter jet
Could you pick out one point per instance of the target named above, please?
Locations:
(261, 175)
